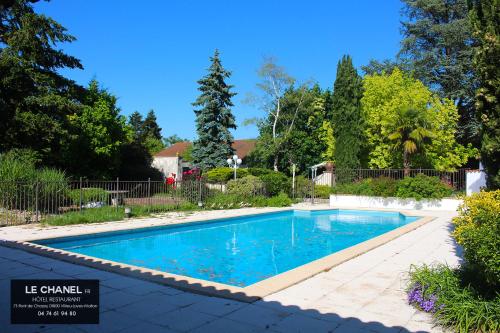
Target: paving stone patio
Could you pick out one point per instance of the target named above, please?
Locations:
(365, 294)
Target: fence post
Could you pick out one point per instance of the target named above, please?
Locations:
(36, 201)
(200, 195)
(117, 194)
(81, 196)
(312, 193)
(149, 194)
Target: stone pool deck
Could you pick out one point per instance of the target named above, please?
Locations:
(364, 294)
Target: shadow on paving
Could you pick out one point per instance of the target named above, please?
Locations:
(206, 313)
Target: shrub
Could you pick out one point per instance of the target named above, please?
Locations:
(303, 187)
(280, 200)
(477, 229)
(384, 186)
(358, 188)
(259, 171)
(246, 186)
(322, 191)
(453, 300)
(422, 186)
(276, 182)
(90, 194)
(223, 174)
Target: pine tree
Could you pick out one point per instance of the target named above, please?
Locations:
(135, 121)
(486, 26)
(150, 127)
(347, 117)
(213, 118)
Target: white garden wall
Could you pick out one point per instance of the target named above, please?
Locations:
(354, 201)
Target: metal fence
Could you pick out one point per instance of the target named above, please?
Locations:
(456, 179)
(29, 202)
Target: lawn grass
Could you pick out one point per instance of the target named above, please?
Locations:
(110, 213)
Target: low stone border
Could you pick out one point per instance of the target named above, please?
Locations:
(246, 294)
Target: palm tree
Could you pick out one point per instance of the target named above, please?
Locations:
(410, 132)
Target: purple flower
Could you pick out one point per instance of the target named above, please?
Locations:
(427, 304)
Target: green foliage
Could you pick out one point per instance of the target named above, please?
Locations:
(486, 30)
(90, 194)
(418, 187)
(100, 133)
(213, 118)
(170, 140)
(35, 99)
(233, 201)
(259, 171)
(303, 187)
(322, 191)
(276, 182)
(347, 116)
(477, 230)
(153, 145)
(438, 48)
(422, 186)
(357, 188)
(384, 186)
(17, 165)
(224, 174)
(409, 133)
(384, 97)
(459, 303)
(246, 186)
(19, 177)
(280, 200)
(150, 127)
(110, 213)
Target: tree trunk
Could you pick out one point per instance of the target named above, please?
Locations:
(275, 164)
(406, 163)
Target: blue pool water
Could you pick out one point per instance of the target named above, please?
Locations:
(237, 251)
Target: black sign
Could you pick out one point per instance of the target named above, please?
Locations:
(54, 301)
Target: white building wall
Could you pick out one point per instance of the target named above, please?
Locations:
(475, 180)
(168, 166)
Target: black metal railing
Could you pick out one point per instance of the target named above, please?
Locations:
(456, 179)
(33, 201)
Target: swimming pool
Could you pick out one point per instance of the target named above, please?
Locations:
(238, 251)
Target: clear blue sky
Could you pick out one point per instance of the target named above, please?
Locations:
(151, 53)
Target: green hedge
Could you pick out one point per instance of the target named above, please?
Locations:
(418, 187)
(224, 174)
(422, 186)
(276, 182)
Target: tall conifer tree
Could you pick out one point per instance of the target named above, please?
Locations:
(347, 117)
(213, 118)
(486, 26)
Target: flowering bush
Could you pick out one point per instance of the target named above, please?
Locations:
(477, 229)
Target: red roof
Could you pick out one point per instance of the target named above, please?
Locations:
(242, 148)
